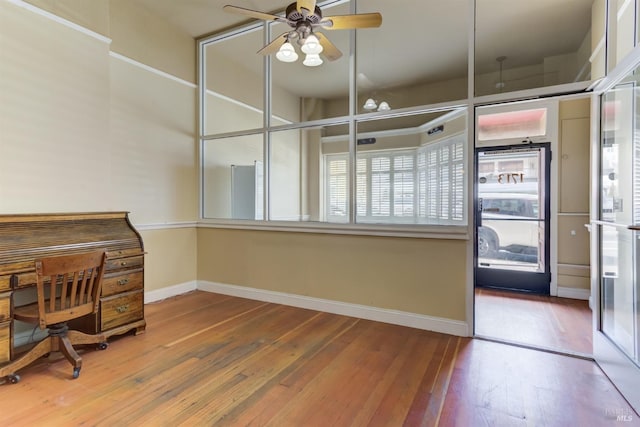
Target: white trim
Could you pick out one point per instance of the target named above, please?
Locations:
(423, 128)
(597, 49)
(244, 105)
(452, 232)
(169, 291)
(395, 317)
(623, 9)
(151, 69)
(580, 266)
(574, 293)
(418, 231)
(165, 226)
(59, 20)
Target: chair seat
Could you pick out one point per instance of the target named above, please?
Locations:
(27, 313)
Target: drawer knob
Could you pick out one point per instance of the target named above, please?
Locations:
(123, 263)
(123, 282)
(122, 308)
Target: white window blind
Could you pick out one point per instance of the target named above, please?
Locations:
(423, 185)
(338, 189)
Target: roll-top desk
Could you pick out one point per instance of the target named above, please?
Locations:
(25, 238)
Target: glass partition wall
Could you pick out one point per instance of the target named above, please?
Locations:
(377, 133)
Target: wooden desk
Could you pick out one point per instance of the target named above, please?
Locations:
(24, 238)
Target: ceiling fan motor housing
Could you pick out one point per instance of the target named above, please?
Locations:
(302, 24)
(293, 15)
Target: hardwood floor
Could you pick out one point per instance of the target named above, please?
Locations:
(557, 323)
(208, 359)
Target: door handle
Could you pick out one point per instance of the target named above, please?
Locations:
(634, 227)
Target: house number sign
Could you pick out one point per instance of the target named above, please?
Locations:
(510, 178)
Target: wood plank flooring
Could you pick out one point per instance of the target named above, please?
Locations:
(550, 322)
(208, 359)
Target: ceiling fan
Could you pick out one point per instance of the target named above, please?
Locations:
(305, 17)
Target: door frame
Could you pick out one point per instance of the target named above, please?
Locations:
(551, 136)
(519, 276)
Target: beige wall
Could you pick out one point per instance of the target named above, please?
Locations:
(54, 119)
(573, 194)
(171, 257)
(138, 34)
(423, 276)
(83, 130)
(92, 15)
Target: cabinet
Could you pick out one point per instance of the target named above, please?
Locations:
(25, 238)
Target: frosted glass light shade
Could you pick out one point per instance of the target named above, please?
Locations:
(312, 60)
(370, 104)
(311, 45)
(384, 106)
(287, 53)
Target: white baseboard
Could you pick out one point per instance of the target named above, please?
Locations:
(170, 291)
(584, 294)
(402, 318)
(412, 320)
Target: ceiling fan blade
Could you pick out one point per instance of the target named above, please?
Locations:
(345, 22)
(253, 13)
(329, 50)
(310, 5)
(274, 46)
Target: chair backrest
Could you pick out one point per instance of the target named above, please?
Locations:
(68, 286)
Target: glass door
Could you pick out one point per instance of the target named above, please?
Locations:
(616, 234)
(512, 218)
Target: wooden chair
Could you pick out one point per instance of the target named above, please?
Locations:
(68, 288)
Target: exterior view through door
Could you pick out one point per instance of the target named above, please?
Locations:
(512, 218)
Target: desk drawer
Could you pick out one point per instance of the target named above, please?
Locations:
(5, 309)
(26, 279)
(5, 283)
(124, 253)
(122, 283)
(5, 342)
(121, 309)
(125, 263)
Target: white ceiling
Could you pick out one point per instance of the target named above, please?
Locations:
(419, 40)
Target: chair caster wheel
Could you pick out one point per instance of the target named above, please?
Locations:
(76, 373)
(13, 378)
(103, 345)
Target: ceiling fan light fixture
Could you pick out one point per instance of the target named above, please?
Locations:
(384, 106)
(312, 60)
(311, 45)
(287, 53)
(370, 104)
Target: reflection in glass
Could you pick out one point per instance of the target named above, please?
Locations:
(406, 172)
(233, 184)
(305, 185)
(512, 124)
(287, 175)
(239, 105)
(620, 206)
(387, 72)
(622, 32)
(619, 304)
(617, 153)
(541, 49)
